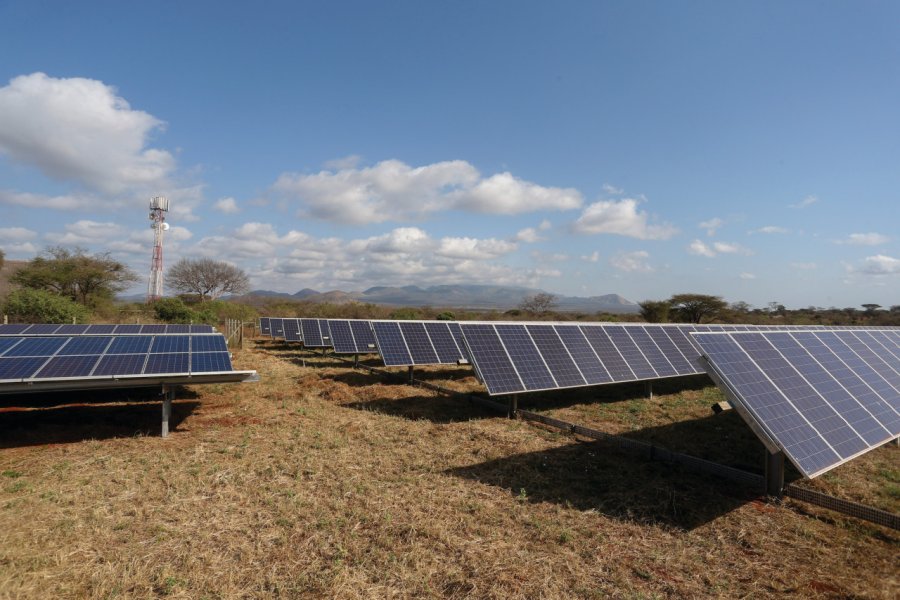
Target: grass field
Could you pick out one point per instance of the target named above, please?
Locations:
(321, 481)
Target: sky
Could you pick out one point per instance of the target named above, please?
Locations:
(749, 150)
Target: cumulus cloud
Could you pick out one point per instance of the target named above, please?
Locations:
(879, 265)
(864, 239)
(631, 262)
(592, 257)
(394, 191)
(42, 201)
(621, 218)
(80, 130)
(227, 205)
(529, 235)
(805, 203)
(700, 248)
(612, 190)
(769, 229)
(16, 234)
(464, 247)
(84, 232)
(711, 226)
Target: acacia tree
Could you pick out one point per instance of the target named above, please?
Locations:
(693, 308)
(538, 303)
(84, 278)
(655, 311)
(207, 278)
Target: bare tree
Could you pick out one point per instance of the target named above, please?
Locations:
(207, 278)
(538, 303)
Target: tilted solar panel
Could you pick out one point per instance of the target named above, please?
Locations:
(292, 330)
(277, 328)
(342, 337)
(264, 326)
(363, 336)
(312, 333)
(324, 327)
(823, 397)
(391, 345)
(409, 343)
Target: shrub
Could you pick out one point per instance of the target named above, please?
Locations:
(446, 316)
(173, 310)
(39, 306)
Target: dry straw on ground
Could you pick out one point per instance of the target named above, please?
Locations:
(324, 482)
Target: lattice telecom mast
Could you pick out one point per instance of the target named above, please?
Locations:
(159, 206)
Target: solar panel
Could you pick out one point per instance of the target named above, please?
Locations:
(291, 330)
(68, 366)
(264, 326)
(342, 337)
(444, 343)
(326, 332)
(202, 362)
(419, 344)
(410, 343)
(19, 368)
(391, 345)
(277, 328)
(312, 333)
(15, 329)
(72, 329)
(362, 334)
(49, 329)
(208, 343)
(170, 343)
(823, 397)
(120, 364)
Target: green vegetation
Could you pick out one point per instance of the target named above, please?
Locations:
(27, 305)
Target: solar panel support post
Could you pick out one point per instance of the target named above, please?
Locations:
(412, 378)
(513, 406)
(356, 361)
(775, 474)
(649, 390)
(168, 394)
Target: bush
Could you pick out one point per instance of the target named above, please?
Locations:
(38, 306)
(173, 310)
(406, 314)
(446, 316)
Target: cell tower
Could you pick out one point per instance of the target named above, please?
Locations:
(159, 206)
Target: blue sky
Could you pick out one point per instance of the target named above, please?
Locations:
(745, 149)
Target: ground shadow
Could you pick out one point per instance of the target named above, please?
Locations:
(600, 476)
(437, 409)
(70, 417)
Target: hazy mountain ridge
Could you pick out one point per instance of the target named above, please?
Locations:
(457, 296)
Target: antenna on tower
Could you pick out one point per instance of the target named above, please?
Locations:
(159, 206)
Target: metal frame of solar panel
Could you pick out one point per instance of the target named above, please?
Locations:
(416, 343)
(822, 397)
(276, 327)
(44, 329)
(68, 362)
(518, 357)
(352, 336)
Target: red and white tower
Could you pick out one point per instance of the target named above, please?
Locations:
(159, 206)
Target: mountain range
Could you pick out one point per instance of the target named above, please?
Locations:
(480, 297)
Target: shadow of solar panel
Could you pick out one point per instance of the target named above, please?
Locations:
(390, 344)
(138, 344)
(167, 363)
(420, 349)
(170, 343)
(68, 366)
(36, 347)
(72, 329)
(208, 343)
(20, 368)
(120, 364)
(127, 329)
(86, 345)
(209, 362)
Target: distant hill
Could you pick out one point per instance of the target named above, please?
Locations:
(480, 297)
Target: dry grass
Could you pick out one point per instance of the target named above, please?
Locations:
(321, 481)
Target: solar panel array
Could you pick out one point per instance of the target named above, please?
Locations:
(315, 333)
(72, 330)
(408, 343)
(823, 397)
(352, 336)
(40, 359)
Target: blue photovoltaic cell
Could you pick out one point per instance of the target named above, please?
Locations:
(420, 348)
(291, 330)
(651, 352)
(630, 352)
(200, 329)
(13, 329)
(167, 363)
(127, 329)
(137, 344)
(277, 328)
(493, 363)
(608, 354)
(41, 329)
(326, 333)
(558, 360)
(19, 368)
(671, 352)
(681, 337)
(391, 345)
(456, 332)
(7, 343)
(86, 345)
(311, 332)
(874, 360)
(37, 347)
(100, 329)
(178, 329)
(365, 339)
(208, 343)
(72, 329)
(583, 355)
(170, 343)
(149, 329)
(342, 337)
(264, 326)
(442, 339)
(525, 357)
(210, 362)
(68, 366)
(120, 364)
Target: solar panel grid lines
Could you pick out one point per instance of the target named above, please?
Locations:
(391, 344)
(556, 356)
(277, 327)
(812, 391)
(264, 328)
(584, 355)
(363, 336)
(324, 328)
(311, 331)
(446, 344)
(493, 364)
(342, 337)
(418, 343)
(291, 330)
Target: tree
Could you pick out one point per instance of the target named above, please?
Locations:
(693, 308)
(207, 278)
(2, 258)
(655, 311)
(538, 303)
(40, 306)
(84, 278)
(870, 308)
(173, 310)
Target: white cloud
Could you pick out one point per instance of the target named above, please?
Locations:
(454, 247)
(84, 232)
(15, 234)
(529, 235)
(545, 225)
(806, 202)
(394, 191)
(593, 257)
(41, 201)
(711, 226)
(770, 229)
(621, 218)
(730, 248)
(81, 130)
(879, 265)
(227, 205)
(612, 190)
(747, 276)
(631, 262)
(699, 248)
(865, 239)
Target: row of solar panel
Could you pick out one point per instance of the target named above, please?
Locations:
(23, 357)
(56, 329)
(823, 397)
(346, 336)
